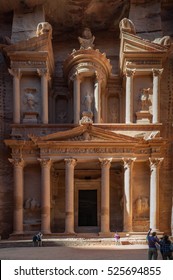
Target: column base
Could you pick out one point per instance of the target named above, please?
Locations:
(18, 232)
(70, 233)
(45, 231)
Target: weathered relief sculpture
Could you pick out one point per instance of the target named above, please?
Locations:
(43, 28)
(142, 207)
(127, 25)
(88, 102)
(30, 102)
(144, 98)
(31, 203)
(87, 39)
(164, 41)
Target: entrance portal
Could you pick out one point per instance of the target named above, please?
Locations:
(87, 210)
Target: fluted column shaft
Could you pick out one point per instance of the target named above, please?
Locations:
(128, 163)
(156, 94)
(69, 195)
(16, 94)
(18, 165)
(45, 195)
(44, 93)
(129, 97)
(105, 195)
(154, 192)
(76, 95)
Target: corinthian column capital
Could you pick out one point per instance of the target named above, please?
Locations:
(70, 162)
(130, 72)
(155, 162)
(75, 76)
(43, 72)
(157, 72)
(15, 72)
(105, 162)
(45, 162)
(128, 162)
(17, 162)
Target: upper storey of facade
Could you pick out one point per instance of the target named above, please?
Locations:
(93, 93)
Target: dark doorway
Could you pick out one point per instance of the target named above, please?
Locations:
(87, 211)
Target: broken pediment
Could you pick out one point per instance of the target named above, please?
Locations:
(136, 51)
(85, 133)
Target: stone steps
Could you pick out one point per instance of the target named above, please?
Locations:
(53, 242)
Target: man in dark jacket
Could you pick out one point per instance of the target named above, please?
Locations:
(153, 242)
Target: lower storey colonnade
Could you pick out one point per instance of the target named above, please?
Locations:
(104, 204)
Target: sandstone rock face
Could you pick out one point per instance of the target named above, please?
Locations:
(19, 21)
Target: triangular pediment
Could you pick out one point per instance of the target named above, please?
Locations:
(39, 43)
(133, 43)
(85, 133)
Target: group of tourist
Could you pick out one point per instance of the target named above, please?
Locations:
(155, 244)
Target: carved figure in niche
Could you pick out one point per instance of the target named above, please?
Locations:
(30, 99)
(87, 39)
(142, 207)
(30, 102)
(127, 26)
(144, 99)
(164, 41)
(31, 203)
(88, 102)
(27, 204)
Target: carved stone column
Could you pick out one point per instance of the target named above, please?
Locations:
(76, 97)
(18, 165)
(69, 195)
(128, 164)
(129, 95)
(45, 195)
(105, 195)
(97, 98)
(16, 94)
(154, 192)
(156, 94)
(44, 93)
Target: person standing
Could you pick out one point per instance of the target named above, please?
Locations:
(153, 242)
(166, 248)
(39, 239)
(117, 238)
